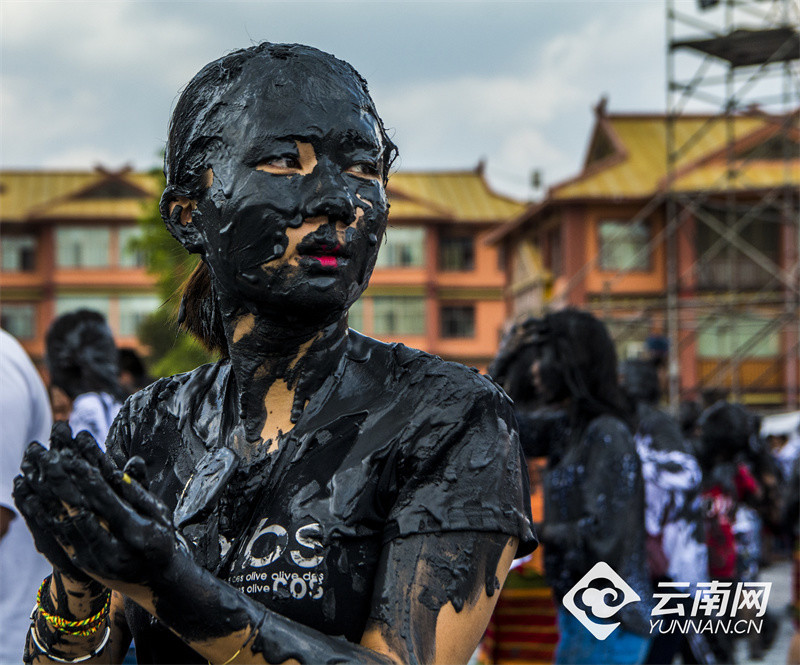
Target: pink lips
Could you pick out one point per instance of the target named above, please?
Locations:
(327, 260)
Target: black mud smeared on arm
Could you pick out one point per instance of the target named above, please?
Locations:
(420, 575)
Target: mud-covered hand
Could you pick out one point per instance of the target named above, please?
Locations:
(101, 520)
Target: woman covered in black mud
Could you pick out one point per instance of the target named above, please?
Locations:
(316, 496)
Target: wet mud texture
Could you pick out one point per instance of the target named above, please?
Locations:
(395, 444)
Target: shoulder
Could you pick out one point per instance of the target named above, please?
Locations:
(87, 402)
(18, 369)
(417, 372)
(609, 432)
(22, 392)
(167, 394)
(164, 404)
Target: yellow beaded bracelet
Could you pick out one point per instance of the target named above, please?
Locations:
(80, 628)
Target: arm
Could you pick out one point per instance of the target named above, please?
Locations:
(434, 593)
(433, 597)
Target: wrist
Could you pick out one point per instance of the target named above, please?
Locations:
(70, 598)
(67, 634)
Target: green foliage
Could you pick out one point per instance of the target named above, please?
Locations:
(172, 350)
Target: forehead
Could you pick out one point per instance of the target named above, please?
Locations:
(296, 97)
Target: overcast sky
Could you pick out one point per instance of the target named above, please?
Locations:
(512, 82)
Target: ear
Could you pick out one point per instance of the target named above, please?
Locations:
(176, 211)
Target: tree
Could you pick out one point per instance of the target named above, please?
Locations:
(171, 350)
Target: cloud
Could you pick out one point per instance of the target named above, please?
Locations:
(81, 78)
(105, 38)
(86, 155)
(539, 116)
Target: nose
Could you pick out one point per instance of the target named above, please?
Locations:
(329, 196)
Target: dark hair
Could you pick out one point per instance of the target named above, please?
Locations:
(725, 432)
(194, 130)
(81, 355)
(688, 414)
(588, 361)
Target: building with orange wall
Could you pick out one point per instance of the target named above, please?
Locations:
(65, 244)
(600, 241)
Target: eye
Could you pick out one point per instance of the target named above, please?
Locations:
(366, 170)
(279, 164)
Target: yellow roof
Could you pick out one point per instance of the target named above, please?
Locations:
(637, 168)
(462, 196)
(459, 196)
(95, 209)
(759, 174)
(58, 194)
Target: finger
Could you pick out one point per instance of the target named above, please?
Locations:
(41, 468)
(34, 504)
(136, 468)
(56, 478)
(32, 460)
(60, 435)
(39, 518)
(85, 445)
(123, 503)
(140, 498)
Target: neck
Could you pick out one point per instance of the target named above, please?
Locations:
(278, 367)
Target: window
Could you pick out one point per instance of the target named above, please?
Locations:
(133, 310)
(458, 321)
(82, 247)
(403, 247)
(355, 317)
(19, 253)
(723, 336)
(398, 315)
(128, 256)
(71, 303)
(19, 319)
(456, 252)
(723, 266)
(554, 252)
(624, 245)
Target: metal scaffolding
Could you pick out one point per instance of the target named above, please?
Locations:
(731, 60)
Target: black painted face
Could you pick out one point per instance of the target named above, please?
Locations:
(291, 222)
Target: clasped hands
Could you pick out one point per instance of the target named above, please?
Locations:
(89, 518)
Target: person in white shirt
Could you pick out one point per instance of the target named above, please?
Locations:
(25, 417)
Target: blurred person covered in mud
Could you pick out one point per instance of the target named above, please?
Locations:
(82, 361)
(594, 489)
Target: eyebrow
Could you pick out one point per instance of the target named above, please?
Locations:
(359, 140)
(263, 142)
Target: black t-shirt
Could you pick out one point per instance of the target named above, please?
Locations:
(395, 443)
